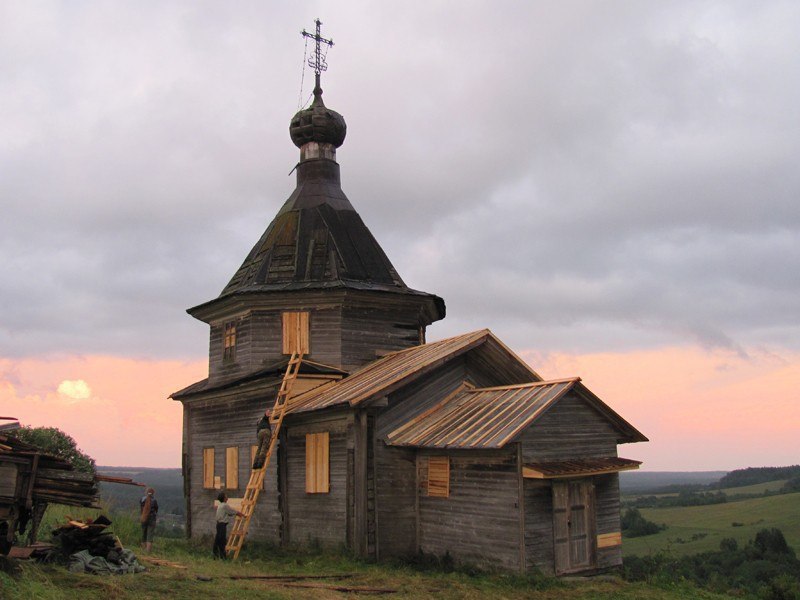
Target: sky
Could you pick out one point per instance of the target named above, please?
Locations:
(611, 187)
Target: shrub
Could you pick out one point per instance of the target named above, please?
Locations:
(635, 525)
(54, 441)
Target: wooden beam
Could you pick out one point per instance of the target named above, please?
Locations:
(530, 473)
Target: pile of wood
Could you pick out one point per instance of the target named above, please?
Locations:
(91, 535)
(46, 478)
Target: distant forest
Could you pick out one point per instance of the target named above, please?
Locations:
(754, 475)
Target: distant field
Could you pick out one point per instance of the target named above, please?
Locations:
(710, 524)
(756, 488)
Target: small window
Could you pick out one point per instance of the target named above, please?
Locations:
(208, 468)
(317, 459)
(295, 333)
(439, 476)
(231, 468)
(229, 344)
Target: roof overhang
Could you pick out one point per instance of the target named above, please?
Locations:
(579, 467)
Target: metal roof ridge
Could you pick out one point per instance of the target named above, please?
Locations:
(527, 385)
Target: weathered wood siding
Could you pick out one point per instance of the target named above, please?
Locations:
(317, 518)
(606, 490)
(538, 498)
(370, 331)
(395, 481)
(479, 523)
(571, 429)
(395, 468)
(219, 369)
(259, 337)
(221, 423)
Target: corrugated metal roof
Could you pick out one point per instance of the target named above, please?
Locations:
(387, 373)
(578, 467)
(480, 418)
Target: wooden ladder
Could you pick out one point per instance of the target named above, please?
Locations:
(256, 482)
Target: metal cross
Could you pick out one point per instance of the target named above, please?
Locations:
(317, 61)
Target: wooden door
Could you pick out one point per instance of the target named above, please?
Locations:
(573, 526)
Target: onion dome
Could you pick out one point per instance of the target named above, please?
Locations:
(317, 123)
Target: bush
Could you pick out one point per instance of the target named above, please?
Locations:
(54, 441)
(765, 568)
(635, 525)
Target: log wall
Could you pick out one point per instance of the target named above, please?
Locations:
(221, 423)
(606, 490)
(318, 518)
(571, 429)
(479, 523)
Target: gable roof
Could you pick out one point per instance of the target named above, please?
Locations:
(491, 417)
(394, 370)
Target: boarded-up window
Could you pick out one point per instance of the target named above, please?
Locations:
(229, 343)
(317, 461)
(208, 468)
(439, 476)
(295, 333)
(231, 468)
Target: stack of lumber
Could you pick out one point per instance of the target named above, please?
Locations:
(54, 479)
(63, 486)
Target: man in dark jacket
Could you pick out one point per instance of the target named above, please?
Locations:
(264, 433)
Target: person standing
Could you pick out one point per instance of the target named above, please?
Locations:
(224, 514)
(148, 517)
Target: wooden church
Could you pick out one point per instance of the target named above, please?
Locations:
(389, 446)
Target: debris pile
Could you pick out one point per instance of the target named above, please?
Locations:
(88, 546)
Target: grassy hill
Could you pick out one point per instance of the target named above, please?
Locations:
(694, 529)
(50, 582)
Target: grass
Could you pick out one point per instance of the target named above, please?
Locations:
(694, 529)
(50, 582)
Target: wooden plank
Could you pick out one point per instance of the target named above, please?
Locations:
(296, 332)
(609, 540)
(317, 463)
(560, 527)
(232, 468)
(208, 468)
(323, 463)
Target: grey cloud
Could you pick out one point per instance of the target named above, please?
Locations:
(582, 177)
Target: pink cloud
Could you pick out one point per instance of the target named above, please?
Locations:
(702, 410)
(120, 414)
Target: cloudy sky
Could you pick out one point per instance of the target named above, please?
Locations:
(611, 187)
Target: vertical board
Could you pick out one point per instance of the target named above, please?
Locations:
(232, 468)
(322, 462)
(208, 468)
(317, 463)
(439, 476)
(561, 526)
(578, 536)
